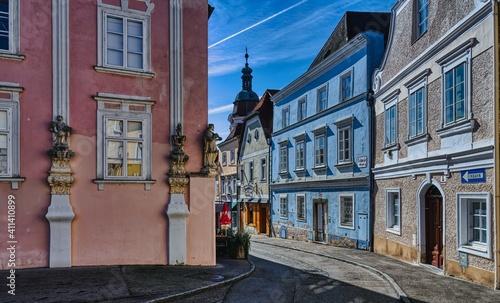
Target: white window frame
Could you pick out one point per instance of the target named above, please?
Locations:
(319, 100)
(341, 143)
(414, 86)
(14, 37)
(283, 157)
(318, 164)
(123, 110)
(302, 108)
(393, 105)
(391, 211)
(232, 156)
(460, 55)
(465, 224)
(224, 158)
(285, 116)
(300, 157)
(342, 90)
(283, 206)
(263, 169)
(223, 185)
(342, 210)
(125, 13)
(301, 209)
(11, 106)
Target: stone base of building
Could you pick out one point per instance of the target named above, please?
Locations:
(394, 249)
(342, 242)
(288, 231)
(473, 274)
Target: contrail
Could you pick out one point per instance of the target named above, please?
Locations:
(258, 23)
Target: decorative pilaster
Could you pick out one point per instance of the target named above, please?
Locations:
(177, 210)
(60, 213)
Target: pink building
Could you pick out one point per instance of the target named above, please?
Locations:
(122, 75)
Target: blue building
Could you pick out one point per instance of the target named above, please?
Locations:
(322, 141)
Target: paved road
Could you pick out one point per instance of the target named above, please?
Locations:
(285, 275)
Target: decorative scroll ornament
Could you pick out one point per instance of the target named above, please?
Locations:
(211, 153)
(178, 178)
(60, 174)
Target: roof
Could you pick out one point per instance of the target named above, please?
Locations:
(352, 24)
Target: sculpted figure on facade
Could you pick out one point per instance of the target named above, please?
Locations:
(178, 178)
(210, 152)
(60, 174)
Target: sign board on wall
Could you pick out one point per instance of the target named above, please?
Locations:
(362, 161)
(473, 176)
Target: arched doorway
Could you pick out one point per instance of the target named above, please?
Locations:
(434, 227)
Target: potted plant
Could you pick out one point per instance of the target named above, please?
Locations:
(238, 244)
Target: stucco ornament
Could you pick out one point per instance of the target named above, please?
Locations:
(178, 178)
(60, 175)
(210, 152)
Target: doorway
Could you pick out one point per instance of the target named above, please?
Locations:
(320, 219)
(434, 227)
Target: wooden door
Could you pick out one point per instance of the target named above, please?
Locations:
(320, 213)
(434, 230)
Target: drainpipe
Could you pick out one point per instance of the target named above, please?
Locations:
(371, 121)
(270, 197)
(496, 58)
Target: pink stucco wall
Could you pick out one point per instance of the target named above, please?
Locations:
(123, 224)
(34, 74)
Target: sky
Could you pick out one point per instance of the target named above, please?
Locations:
(282, 37)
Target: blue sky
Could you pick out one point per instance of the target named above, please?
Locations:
(282, 37)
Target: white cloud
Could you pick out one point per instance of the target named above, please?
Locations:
(221, 109)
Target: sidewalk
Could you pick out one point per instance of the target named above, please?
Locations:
(416, 283)
(120, 283)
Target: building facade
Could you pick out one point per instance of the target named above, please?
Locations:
(434, 167)
(94, 98)
(244, 103)
(253, 161)
(321, 139)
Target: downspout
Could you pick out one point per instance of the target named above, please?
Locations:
(496, 94)
(371, 118)
(271, 229)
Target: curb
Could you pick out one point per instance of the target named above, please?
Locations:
(402, 295)
(204, 288)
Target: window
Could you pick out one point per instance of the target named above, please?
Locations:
(422, 15)
(223, 185)
(249, 138)
(284, 157)
(224, 158)
(231, 156)
(344, 144)
(9, 29)
(250, 171)
(347, 211)
(300, 154)
(233, 187)
(346, 86)
(320, 150)
(301, 207)
(9, 134)
(393, 210)
(474, 223)
(124, 39)
(322, 99)
(286, 116)
(390, 125)
(417, 104)
(263, 169)
(454, 94)
(256, 135)
(301, 109)
(283, 206)
(124, 138)
(4, 25)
